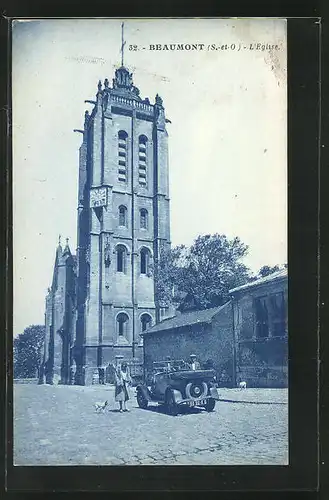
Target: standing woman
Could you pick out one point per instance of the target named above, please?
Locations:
(122, 383)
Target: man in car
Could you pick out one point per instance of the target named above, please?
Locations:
(168, 364)
(194, 364)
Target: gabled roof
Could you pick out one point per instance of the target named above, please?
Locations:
(278, 275)
(185, 319)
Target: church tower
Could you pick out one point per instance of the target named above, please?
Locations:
(123, 224)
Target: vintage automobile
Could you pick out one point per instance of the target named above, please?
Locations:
(176, 385)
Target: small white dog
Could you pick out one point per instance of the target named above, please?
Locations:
(100, 406)
(242, 385)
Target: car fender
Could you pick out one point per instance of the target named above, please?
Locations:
(145, 391)
(177, 395)
(214, 393)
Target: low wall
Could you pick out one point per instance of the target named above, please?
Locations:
(25, 380)
(275, 377)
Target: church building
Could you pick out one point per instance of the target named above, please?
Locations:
(103, 298)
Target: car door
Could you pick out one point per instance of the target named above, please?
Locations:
(161, 384)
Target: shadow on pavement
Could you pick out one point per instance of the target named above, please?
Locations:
(184, 410)
(252, 402)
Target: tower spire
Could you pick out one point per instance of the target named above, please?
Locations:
(122, 44)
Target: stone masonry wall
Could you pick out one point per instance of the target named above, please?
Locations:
(261, 362)
(209, 342)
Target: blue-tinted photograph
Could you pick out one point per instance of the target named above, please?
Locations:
(150, 242)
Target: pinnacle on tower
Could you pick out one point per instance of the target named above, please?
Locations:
(59, 249)
(67, 248)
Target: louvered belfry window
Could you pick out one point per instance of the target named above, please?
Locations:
(142, 160)
(122, 156)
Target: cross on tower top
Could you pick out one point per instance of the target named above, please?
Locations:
(123, 43)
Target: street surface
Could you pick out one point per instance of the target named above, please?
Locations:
(57, 425)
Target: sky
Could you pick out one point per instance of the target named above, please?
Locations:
(227, 136)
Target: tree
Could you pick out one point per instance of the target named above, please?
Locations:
(267, 270)
(205, 272)
(170, 271)
(28, 351)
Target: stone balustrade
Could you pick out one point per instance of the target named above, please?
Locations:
(133, 103)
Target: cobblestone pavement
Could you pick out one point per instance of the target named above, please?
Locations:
(57, 425)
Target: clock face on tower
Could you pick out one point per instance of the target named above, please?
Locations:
(98, 197)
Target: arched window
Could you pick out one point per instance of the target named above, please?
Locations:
(146, 322)
(122, 156)
(122, 324)
(142, 160)
(121, 259)
(143, 218)
(122, 215)
(145, 260)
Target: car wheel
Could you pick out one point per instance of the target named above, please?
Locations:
(171, 405)
(211, 403)
(196, 389)
(141, 400)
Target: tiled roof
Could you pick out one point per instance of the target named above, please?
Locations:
(283, 273)
(185, 319)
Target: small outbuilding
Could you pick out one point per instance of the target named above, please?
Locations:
(206, 333)
(260, 325)
(245, 339)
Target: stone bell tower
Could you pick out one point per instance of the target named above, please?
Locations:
(123, 223)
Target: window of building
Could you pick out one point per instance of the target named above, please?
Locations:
(261, 313)
(146, 321)
(122, 216)
(145, 260)
(142, 160)
(271, 315)
(277, 314)
(121, 259)
(122, 324)
(122, 156)
(143, 219)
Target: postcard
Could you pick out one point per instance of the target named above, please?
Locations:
(149, 241)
